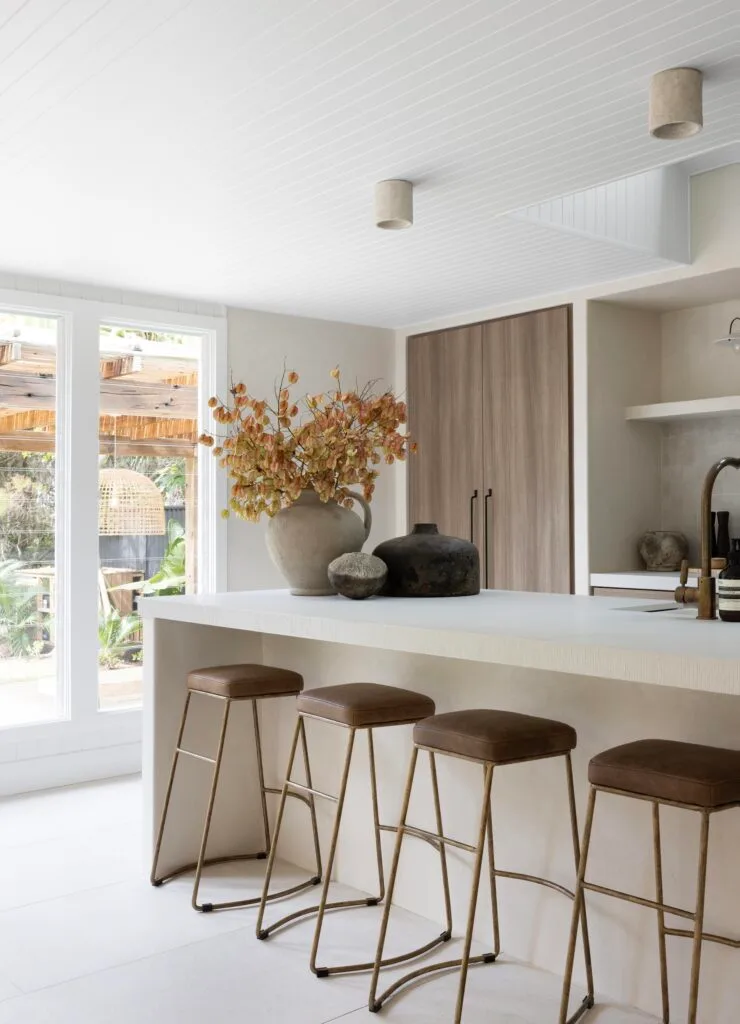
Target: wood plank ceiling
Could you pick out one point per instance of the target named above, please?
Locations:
(225, 150)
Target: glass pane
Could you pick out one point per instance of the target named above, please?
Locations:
(147, 504)
(29, 685)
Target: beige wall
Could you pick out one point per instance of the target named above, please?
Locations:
(259, 345)
(623, 457)
(691, 365)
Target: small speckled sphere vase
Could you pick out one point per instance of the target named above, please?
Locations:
(357, 575)
(305, 537)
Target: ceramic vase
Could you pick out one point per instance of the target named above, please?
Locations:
(426, 563)
(305, 537)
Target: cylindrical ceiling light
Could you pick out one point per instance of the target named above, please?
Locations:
(394, 204)
(676, 103)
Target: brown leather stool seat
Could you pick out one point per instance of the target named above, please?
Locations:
(501, 737)
(239, 682)
(364, 705)
(684, 773)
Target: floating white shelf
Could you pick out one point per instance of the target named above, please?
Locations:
(696, 408)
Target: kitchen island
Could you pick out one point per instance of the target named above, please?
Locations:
(612, 668)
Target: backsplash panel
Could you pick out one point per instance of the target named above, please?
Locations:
(688, 449)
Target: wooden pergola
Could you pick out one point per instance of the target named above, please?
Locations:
(148, 407)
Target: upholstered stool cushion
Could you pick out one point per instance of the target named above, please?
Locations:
(499, 736)
(237, 681)
(687, 773)
(365, 704)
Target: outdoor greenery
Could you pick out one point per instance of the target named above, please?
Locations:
(169, 579)
(118, 638)
(19, 617)
(27, 506)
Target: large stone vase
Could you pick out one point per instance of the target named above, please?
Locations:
(305, 537)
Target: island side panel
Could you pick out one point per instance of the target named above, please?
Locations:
(530, 815)
(172, 649)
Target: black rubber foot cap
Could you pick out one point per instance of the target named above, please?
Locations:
(206, 908)
(157, 882)
(489, 958)
(322, 972)
(262, 934)
(261, 856)
(316, 880)
(445, 936)
(372, 901)
(374, 1007)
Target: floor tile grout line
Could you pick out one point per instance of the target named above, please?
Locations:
(64, 896)
(23, 993)
(362, 1006)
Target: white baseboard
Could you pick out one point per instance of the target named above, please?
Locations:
(69, 768)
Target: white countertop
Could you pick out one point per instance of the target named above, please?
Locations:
(591, 636)
(637, 579)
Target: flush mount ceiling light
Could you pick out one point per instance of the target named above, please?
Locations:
(676, 103)
(394, 204)
(732, 338)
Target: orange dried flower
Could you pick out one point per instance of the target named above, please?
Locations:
(271, 458)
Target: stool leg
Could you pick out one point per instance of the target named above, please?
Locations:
(442, 848)
(311, 800)
(261, 772)
(658, 858)
(484, 818)
(322, 972)
(376, 817)
(373, 1005)
(278, 825)
(577, 904)
(494, 890)
(701, 888)
(175, 758)
(209, 811)
(577, 857)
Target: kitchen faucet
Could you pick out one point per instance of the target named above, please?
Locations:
(705, 594)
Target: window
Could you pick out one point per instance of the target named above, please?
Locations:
(92, 394)
(147, 501)
(29, 682)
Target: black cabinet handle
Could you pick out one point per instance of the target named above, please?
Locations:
(473, 499)
(489, 494)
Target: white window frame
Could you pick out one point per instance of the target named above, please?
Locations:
(88, 743)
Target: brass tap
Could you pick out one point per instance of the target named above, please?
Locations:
(705, 594)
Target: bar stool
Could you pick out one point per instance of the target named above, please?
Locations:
(491, 739)
(687, 775)
(231, 684)
(355, 707)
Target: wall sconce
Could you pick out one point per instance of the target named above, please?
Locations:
(732, 338)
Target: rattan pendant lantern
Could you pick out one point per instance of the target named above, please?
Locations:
(129, 504)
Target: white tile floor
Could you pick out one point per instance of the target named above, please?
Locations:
(84, 939)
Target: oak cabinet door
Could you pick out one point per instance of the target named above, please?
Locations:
(526, 385)
(445, 419)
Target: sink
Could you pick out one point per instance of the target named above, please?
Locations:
(677, 610)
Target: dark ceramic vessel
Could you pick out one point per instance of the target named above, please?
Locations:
(425, 563)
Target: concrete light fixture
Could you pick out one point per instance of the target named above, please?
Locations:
(394, 204)
(676, 103)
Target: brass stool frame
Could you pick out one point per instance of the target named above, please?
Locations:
(485, 839)
(320, 909)
(697, 933)
(202, 861)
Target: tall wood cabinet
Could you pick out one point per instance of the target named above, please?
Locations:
(489, 405)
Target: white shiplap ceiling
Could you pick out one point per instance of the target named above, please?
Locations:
(227, 149)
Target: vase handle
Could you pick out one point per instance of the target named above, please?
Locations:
(367, 514)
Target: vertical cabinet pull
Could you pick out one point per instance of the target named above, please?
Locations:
(473, 499)
(489, 494)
